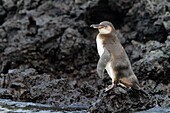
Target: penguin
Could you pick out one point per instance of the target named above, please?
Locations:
(113, 58)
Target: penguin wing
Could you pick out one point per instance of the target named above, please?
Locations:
(104, 59)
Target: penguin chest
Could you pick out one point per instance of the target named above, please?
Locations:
(100, 47)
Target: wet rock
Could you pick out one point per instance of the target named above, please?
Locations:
(28, 85)
(116, 102)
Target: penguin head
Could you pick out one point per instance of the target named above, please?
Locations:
(104, 27)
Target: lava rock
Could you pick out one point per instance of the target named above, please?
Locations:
(48, 52)
(142, 17)
(154, 60)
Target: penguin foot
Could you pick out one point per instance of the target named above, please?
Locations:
(109, 87)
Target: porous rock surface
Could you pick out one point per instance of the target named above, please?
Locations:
(48, 52)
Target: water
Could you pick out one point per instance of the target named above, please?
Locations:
(8, 106)
(156, 110)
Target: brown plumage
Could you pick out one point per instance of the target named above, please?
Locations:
(113, 57)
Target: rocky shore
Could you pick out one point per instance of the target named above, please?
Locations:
(48, 52)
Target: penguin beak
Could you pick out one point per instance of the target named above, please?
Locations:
(97, 26)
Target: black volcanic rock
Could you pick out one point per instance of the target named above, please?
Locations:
(147, 18)
(48, 52)
(154, 63)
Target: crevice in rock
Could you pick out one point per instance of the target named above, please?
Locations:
(32, 27)
(103, 12)
(5, 67)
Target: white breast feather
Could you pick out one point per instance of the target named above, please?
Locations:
(100, 50)
(110, 71)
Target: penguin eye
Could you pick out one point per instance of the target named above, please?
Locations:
(105, 26)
